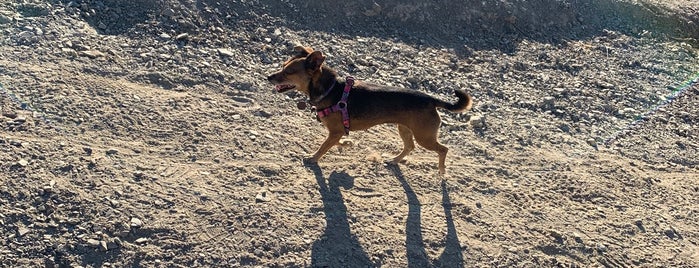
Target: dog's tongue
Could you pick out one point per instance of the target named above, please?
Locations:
(283, 87)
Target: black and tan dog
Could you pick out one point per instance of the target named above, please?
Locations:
(368, 105)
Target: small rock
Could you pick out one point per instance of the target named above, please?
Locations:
(548, 103)
(114, 243)
(5, 19)
(103, 245)
(25, 34)
(601, 247)
(262, 197)
(182, 36)
(136, 223)
(9, 115)
(93, 242)
(165, 36)
(670, 232)
(69, 52)
(93, 54)
(23, 230)
(558, 236)
(87, 150)
(639, 224)
(23, 162)
(578, 237)
(141, 240)
(112, 151)
(478, 121)
(225, 52)
(102, 26)
(592, 142)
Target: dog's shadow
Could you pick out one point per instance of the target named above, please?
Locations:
(417, 256)
(337, 247)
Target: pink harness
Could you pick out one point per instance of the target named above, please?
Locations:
(341, 106)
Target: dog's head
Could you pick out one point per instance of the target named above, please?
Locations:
(299, 71)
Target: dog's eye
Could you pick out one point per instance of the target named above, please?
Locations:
(288, 71)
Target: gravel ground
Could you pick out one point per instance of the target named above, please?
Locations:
(144, 134)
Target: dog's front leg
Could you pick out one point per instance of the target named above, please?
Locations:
(332, 139)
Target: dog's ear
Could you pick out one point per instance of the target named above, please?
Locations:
(301, 51)
(314, 60)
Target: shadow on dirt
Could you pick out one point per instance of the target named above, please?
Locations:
(113, 17)
(460, 25)
(417, 256)
(463, 26)
(337, 247)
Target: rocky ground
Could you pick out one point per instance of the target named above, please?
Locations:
(145, 134)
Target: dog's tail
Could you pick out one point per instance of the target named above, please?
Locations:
(463, 104)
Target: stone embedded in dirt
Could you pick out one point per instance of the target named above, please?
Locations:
(226, 52)
(141, 240)
(671, 233)
(92, 54)
(547, 103)
(69, 52)
(93, 242)
(9, 115)
(262, 197)
(478, 121)
(23, 162)
(112, 151)
(182, 36)
(21, 231)
(136, 223)
(5, 19)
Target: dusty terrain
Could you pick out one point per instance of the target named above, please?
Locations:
(144, 134)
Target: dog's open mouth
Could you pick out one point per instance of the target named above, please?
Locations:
(284, 87)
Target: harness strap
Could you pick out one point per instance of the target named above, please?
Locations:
(341, 105)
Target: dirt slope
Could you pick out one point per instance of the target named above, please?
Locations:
(144, 134)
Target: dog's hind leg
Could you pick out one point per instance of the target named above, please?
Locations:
(408, 144)
(426, 135)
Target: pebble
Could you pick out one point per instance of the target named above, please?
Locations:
(136, 223)
(23, 231)
(601, 247)
(548, 103)
(5, 19)
(92, 54)
(670, 233)
(112, 151)
(182, 36)
(93, 242)
(141, 240)
(69, 52)
(23, 162)
(262, 197)
(225, 52)
(478, 121)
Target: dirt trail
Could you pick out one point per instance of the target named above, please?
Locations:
(145, 134)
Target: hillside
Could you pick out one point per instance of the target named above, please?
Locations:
(144, 134)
